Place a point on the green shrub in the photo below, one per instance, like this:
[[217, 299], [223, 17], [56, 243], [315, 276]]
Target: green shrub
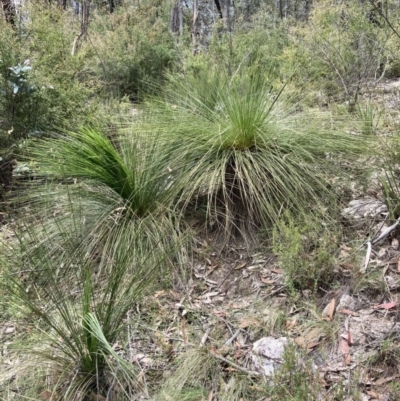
[[42, 86], [133, 50], [245, 156], [338, 51], [78, 312], [111, 186], [305, 253]]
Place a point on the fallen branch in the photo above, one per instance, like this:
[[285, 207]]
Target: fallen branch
[[233, 337], [386, 232], [367, 256], [376, 240], [233, 364]]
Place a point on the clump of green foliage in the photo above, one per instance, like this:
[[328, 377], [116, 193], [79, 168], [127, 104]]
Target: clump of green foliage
[[42, 86], [305, 253], [133, 51], [113, 186], [339, 51], [79, 312], [246, 156], [296, 381]]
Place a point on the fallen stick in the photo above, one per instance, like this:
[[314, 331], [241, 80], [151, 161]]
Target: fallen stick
[[386, 232], [233, 364], [233, 337]]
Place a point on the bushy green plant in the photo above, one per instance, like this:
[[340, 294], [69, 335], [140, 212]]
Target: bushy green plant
[[339, 51], [112, 186], [79, 313], [133, 50], [305, 253], [369, 118], [390, 181], [15, 89], [256, 47], [295, 380], [193, 370], [41, 83], [246, 157]]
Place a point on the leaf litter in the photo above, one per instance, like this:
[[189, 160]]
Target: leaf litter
[[236, 306]]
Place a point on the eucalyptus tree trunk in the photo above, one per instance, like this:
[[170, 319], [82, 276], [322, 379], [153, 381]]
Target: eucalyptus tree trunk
[[219, 8], [9, 11], [85, 18], [194, 27], [176, 22]]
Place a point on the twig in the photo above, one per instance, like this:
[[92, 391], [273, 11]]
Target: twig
[[233, 337], [205, 336], [367, 256], [376, 240], [221, 358], [386, 232], [277, 291]]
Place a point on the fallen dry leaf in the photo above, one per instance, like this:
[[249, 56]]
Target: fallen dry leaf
[[329, 310], [266, 281], [385, 380], [310, 346], [388, 305], [97, 397], [347, 337], [290, 324], [345, 350], [347, 266], [277, 271], [349, 312], [344, 346], [241, 266], [344, 254], [300, 341], [312, 338], [46, 395], [249, 321], [209, 294]]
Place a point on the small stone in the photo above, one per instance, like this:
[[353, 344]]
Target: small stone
[[9, 330], [267, 354]]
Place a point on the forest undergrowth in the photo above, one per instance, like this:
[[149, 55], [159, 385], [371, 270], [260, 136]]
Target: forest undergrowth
[[200, 204]]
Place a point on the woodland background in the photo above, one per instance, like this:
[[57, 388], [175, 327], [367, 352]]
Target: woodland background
[[180, 179]]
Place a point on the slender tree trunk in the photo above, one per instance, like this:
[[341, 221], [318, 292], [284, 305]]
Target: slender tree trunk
[[176, 22], [111, 5], [194, 27], [85, 18], [9, 11], [281, 9], [62, 4], [218, 5]]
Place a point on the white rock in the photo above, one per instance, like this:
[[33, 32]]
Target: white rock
[[367, 207], [267, 354]]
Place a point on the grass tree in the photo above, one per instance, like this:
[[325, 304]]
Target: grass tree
[[79, 314], [112, 187], [247, 155]]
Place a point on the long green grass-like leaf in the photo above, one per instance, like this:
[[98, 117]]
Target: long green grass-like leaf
[[110, 186], [80, 311], [243, 150]]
